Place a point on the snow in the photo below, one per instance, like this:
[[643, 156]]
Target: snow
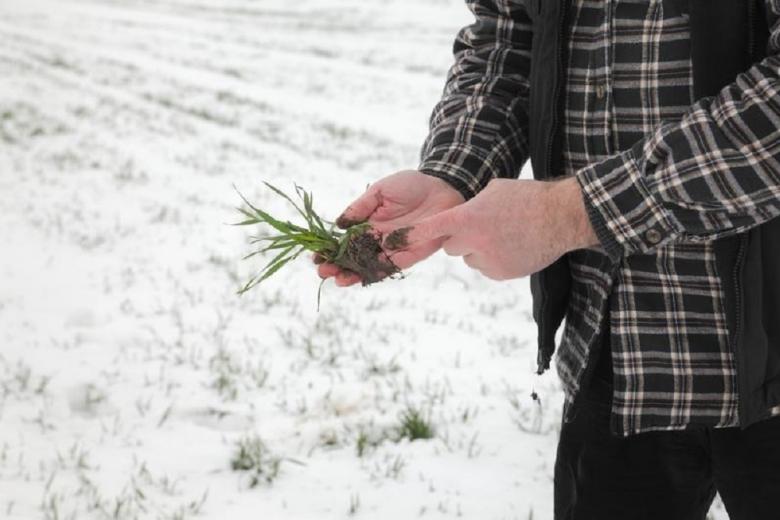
[[130, 369]]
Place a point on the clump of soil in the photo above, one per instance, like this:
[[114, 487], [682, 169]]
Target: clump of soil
[[363, 255], [398, 239]]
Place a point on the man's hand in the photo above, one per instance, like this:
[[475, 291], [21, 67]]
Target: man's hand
[[397, 200], [511, 229]]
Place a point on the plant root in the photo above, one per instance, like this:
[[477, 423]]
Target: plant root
[[365, 257]]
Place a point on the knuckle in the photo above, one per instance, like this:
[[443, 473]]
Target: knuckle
[[503, 275], [448, 249], [493, 275]]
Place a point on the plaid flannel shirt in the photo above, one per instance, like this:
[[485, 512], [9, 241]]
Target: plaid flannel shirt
[[661, 176]]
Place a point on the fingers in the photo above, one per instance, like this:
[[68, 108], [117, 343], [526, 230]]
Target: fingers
[[345, 279], [472, 261], [480, 263], [360, 209], [329, 270], [456, 247], [437, 226]]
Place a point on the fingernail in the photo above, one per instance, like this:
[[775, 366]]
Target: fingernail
[[345, 222]]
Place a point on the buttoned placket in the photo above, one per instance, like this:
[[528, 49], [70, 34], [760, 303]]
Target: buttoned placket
[[604, 96], [601, 98], [604, 101], [609, 53]]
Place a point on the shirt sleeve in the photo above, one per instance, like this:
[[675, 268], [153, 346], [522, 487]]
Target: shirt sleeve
[[479, 128], [713, 173]]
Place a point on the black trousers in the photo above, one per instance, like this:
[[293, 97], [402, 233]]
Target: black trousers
[[668, 475]]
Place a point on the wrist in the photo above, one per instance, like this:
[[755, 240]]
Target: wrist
[[575, 226]]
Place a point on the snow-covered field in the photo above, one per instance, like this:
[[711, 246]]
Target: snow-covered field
[[130, 372]]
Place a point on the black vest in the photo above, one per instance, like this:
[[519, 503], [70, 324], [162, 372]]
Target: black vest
[[727, 37]]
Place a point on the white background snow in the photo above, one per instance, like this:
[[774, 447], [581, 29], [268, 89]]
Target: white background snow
[[129, 368]]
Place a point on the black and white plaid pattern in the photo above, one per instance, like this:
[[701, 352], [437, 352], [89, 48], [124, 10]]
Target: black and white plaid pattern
[[662, 178], [479, 129], [630, 70]]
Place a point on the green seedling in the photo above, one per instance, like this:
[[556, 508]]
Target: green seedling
[[414, 426], [356, 249], [253, 456]]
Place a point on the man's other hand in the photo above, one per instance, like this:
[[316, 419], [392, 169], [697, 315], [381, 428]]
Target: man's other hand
[[395, 201], [511, 229]]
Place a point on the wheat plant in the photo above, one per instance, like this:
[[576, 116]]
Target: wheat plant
[[356, 248]]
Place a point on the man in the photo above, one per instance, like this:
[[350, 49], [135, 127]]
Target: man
[[654, 231]]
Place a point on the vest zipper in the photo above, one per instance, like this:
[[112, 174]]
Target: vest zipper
[[737, 274], [751, 30], [543, 360], [557, 88]]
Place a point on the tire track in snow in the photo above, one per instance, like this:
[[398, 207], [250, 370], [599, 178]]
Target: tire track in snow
[[325, 122]]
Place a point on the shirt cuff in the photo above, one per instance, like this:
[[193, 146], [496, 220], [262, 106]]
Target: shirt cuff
[[622, 209], [465, 167], [451, 174]]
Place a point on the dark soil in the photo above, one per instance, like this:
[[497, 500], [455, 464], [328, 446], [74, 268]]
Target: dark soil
[[365, 257], [398, 239]]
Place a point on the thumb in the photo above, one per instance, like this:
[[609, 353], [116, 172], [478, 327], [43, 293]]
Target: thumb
[[360, 209], [439, 225]]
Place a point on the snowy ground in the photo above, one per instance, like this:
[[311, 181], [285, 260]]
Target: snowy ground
[[129, 369]]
